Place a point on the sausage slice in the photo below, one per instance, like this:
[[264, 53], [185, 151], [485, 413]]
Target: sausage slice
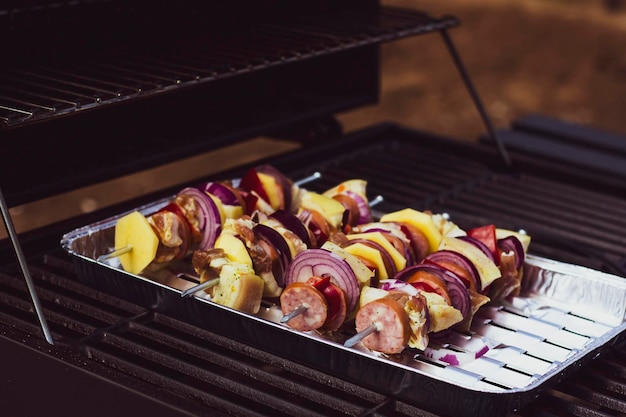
[[303, 294], [392, 322]]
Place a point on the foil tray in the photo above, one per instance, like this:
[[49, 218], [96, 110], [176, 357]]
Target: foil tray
[[565, 316]]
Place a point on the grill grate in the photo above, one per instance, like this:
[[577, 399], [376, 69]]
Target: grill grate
[[567, 223], [114, 71]]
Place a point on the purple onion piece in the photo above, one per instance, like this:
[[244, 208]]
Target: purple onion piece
[[292, 222], [317, 262], [458, 293], [457, 290], [511, 243], [222, 192], [459, 259], [480, 245], [275, 239], [396, 284], [209, 219], [365, 214]]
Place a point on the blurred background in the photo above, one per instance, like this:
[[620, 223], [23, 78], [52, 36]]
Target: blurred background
[[561, 58]]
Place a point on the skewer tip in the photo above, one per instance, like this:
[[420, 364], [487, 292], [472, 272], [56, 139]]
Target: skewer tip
[[372, 328], [204, 286], [299, 310]]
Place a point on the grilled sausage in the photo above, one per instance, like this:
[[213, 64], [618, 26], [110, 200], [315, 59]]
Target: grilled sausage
[[392, 322], [303, 294]]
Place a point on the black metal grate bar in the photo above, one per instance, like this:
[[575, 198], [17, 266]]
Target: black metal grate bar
[[107, 73]]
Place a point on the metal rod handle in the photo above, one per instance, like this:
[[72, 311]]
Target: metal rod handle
[[6, 216], [456, 57]]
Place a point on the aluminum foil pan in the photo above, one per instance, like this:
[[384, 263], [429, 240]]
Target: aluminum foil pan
[[565, 316]]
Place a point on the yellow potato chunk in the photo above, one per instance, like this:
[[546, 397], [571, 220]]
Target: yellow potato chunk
[[271, 188], [134, 231], [331, 209], [234, 248], [377, 237], [523, 238], [357, 186], [423, 221], [239, 288], [371, 254], [487, 270]]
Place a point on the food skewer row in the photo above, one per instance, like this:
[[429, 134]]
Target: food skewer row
[[401, 278], [194, 218], [258, 245]]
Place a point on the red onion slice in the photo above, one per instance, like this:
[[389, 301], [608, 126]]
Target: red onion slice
[[365, 214], [480, 245], [396, 284], [275, 239], [293, 223], [209, 218], [318, 262], [446, 257], [459, 297], [458, 293], [454, 357], [511, 243], [226, 195]]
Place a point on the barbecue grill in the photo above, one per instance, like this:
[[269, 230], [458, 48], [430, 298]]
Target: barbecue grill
[[77, 110]]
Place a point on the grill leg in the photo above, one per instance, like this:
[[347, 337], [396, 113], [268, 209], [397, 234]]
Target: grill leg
[[475, 98]]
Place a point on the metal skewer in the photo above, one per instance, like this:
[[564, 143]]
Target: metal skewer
[[377, 200], [205, 285], [299, 310], [372, 328], [316, 175], [115, 253]]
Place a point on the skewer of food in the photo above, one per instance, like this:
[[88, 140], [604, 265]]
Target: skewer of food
[[193, 219]]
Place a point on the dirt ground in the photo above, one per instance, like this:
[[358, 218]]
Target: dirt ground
[[563, 58]]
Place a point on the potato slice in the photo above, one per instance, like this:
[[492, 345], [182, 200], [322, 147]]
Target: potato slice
[[234, 248], [423, 221], [239, 288], [134, 231], [331, 209]]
